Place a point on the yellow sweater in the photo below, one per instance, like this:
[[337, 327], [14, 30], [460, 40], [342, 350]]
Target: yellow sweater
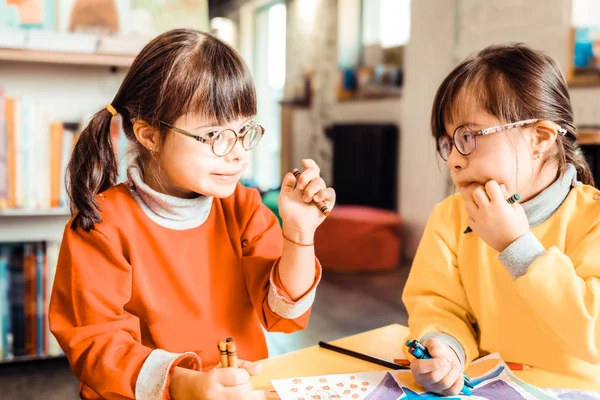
[[546, 316]]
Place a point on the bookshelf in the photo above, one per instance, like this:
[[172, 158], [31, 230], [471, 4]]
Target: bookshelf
[[69, 87], [64, 58], [32, 225], [21, 359]]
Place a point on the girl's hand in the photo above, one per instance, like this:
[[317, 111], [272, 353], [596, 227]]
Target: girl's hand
[[218, 384], [491, 217], [299, 214], [441, 374]]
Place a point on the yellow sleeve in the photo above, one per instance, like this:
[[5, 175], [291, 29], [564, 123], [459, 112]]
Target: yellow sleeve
[[564, 289], [434, 295]]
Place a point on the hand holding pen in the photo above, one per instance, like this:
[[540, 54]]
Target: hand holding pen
[[495, 215], [304, 203], [437, 368]]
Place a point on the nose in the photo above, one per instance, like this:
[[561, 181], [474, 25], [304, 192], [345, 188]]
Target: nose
[[238, 153], [456, 161]]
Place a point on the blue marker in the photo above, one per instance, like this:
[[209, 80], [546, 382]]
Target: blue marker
[[419, 351]]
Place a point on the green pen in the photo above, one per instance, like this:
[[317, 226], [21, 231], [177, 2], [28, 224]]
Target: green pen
[[511, 200]]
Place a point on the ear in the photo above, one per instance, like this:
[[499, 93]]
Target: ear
[[147, 135], [544, 136]]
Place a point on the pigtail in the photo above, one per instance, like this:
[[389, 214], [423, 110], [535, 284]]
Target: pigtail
[[574, 155], [91, 170], [569, 152]]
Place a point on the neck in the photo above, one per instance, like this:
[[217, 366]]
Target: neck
[[546, 176], [151, 173], [168, 211]]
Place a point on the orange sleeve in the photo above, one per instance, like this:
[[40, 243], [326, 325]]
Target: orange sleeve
[[262, 245], [89, 319]]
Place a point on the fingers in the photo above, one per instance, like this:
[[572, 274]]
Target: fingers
[[231, 376], [327, 196], [451, 384], [439, 349], [240, 392], [480, 197], [427, 367], [252, 368], [309, 163], [289, 182], [436, 348], [313, 187], [494, 192], [471, 207], [311, 172]]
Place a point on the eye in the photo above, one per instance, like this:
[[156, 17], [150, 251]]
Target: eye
[[213, 135], [249, 125]]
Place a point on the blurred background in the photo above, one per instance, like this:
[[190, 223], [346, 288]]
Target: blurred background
[[348, 83]]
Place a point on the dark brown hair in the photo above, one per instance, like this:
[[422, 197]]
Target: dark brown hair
[[512, 82], [181, 71]]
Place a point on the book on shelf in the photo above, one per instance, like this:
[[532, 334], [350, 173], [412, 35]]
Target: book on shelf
[[35, 152], [26, 277]]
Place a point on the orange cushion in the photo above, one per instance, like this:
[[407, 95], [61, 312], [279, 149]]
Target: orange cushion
[[359, 238]]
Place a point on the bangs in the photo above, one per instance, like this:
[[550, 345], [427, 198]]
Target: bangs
[[472, 86], [211, 81]]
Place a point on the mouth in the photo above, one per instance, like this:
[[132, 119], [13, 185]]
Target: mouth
[[227, 177], [467, 185], [226, 174]]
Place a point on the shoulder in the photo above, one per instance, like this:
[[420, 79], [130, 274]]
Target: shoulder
[[116, 207], [583, 205], [450, 211]]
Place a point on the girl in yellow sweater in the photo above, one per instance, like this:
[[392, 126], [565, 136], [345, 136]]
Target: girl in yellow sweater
[[525, 282]]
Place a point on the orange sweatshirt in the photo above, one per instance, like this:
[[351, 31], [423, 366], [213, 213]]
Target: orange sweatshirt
[[145, 292]]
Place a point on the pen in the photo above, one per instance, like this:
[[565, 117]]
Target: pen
[[319, 204], [361, 356], [511, 200], [222, 346], [419, 351], [231, 353]]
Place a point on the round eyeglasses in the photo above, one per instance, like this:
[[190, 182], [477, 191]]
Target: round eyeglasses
[[222, 142], [464, 139]]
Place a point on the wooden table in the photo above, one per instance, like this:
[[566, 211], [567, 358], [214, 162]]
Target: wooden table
[[385, 343]]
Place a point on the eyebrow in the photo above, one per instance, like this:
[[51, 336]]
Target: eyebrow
[[469, 123], [215, 125]]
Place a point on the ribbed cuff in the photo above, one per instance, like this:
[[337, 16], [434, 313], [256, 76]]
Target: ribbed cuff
[[154, 377], [521, 254]]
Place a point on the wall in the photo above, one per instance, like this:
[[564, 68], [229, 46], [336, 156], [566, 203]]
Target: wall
[[68, 92], [428, 58], [312, 47]]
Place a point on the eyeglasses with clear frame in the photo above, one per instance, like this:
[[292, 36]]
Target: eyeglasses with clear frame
[[464, 139], [223, 142]]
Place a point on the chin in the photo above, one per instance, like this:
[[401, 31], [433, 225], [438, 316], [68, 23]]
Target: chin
[[219, 191]]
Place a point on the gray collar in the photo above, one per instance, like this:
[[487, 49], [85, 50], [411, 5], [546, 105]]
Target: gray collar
[[168, 211], [541, 207]]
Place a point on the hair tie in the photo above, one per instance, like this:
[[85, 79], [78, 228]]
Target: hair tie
[[111, 110]]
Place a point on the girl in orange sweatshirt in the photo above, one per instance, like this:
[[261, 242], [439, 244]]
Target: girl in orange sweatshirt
[[153, 271]]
